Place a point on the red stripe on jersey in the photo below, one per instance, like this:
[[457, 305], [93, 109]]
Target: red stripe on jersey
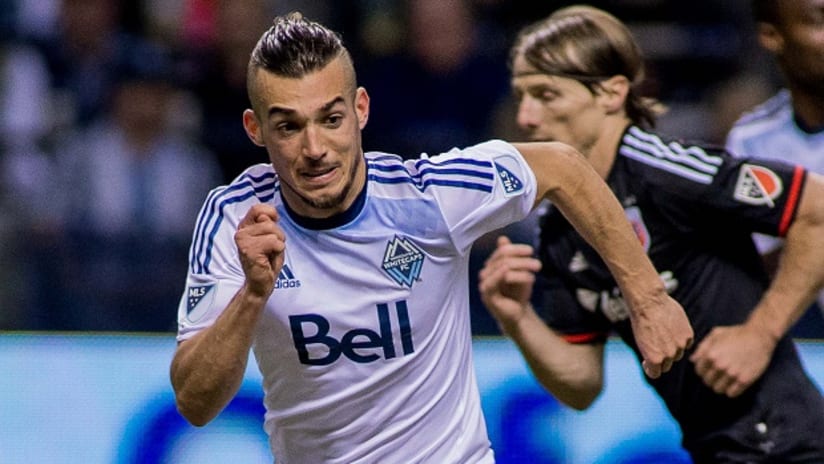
[[584, 337], [792, 201]]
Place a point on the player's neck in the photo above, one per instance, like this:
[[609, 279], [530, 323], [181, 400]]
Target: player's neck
[[602, 154], [808, 111]]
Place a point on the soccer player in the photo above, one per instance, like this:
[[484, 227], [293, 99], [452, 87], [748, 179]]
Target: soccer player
[[790, 125], [346, 273], [743, 396]]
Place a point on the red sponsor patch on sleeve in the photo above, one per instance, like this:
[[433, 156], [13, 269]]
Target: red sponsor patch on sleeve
[[757, 185]]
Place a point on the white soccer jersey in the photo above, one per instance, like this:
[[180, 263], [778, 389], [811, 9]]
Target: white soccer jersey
[[365, 344]]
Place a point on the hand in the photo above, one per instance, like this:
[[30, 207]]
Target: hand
[[506, 280], [663, 333], [260, 245], [731, 358]]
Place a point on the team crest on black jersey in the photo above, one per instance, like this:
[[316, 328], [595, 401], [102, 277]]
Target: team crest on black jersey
[[757, 185], [403, 261], [637, 220]]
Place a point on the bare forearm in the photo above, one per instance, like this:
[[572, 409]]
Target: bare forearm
[[731, 358], [571, 373], [565, 178], [586, 201], [208, 369], [800, 273]]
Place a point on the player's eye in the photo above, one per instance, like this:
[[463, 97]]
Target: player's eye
[[286, 128], [544, 95], [334, 120]]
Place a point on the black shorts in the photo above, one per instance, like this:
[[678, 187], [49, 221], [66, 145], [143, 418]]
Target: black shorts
[[788, 429]]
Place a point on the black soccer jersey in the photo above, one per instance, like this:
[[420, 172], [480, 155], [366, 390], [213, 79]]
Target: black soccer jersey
[[693, 208]]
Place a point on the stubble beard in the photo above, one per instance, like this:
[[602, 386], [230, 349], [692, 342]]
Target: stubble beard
[[333, 202]]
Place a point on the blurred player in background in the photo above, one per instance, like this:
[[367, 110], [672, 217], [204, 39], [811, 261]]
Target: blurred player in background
[[743, 396], [346, 272], [790, 125]]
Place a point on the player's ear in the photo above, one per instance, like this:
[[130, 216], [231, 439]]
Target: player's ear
[[612, 93], [362, 106], [770, 38], [252, 126]]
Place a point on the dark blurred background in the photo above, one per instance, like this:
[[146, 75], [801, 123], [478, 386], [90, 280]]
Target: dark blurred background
[[118, 116]]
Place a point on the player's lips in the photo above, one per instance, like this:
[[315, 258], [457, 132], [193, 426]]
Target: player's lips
[[540, 138], [319, 176], [535, 136]]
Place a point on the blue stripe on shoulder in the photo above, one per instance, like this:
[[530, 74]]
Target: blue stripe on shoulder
[[422, 185], [471, 162], [437, 171], [459, 173], [263, 187]]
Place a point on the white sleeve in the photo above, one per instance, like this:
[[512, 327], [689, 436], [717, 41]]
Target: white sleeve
[[214, 274], [472, 212]]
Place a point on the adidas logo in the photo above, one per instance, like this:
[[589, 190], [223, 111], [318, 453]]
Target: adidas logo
[[286, 279]]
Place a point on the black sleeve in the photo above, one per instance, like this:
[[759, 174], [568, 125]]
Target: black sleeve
[[558, 304], [564, 315], [755, 195]]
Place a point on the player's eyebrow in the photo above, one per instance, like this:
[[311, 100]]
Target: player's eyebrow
[[273, 110], [328, 106]]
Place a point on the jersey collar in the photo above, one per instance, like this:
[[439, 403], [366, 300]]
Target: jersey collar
[[331, 222]]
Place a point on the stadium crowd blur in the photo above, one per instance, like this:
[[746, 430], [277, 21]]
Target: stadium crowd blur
[[118, 117]]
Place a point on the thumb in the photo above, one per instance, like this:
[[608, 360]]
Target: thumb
[[503, 240], [651, 370]]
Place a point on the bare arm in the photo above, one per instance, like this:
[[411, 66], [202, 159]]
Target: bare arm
[[573, 373], [730, 359], [565, 178], [207, 369], [800, 273]]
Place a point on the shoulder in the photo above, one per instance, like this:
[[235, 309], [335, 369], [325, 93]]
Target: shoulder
[[777, 104], [223, 209], [256, 178], [666, 157], [480, 152], [775, 110], [257, 184], [466, 167]]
